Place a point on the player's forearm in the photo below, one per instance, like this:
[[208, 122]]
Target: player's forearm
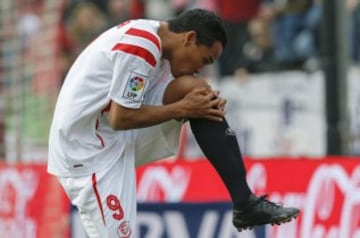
[[145, 116]]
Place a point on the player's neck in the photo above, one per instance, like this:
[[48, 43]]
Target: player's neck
[[168, 39]]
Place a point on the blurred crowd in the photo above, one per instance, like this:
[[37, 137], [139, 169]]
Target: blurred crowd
[[263, 35]]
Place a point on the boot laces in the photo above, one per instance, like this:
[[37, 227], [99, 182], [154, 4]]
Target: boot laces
[[263, 201]]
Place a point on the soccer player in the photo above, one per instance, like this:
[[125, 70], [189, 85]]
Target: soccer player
[[122, 104]]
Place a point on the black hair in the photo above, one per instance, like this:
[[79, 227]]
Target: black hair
[[207, 25]]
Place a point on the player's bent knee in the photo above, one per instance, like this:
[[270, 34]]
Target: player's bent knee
[[179, 87]]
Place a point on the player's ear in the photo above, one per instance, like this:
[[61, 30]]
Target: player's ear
[[189, 38]]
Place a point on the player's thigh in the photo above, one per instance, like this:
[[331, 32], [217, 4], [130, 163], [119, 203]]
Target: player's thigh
[[179, 87], [106, 200], [157, 142], [82, 193]]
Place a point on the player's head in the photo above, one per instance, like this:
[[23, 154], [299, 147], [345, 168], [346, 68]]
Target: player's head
[[203, 39], [207, 26]]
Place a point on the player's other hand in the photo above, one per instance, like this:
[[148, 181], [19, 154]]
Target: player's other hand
[[222, 102], [203, 103]]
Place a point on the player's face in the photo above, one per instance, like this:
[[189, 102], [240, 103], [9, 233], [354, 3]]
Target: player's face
[[189, 58]]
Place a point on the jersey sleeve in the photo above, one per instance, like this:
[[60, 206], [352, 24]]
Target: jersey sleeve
[[134, 58]]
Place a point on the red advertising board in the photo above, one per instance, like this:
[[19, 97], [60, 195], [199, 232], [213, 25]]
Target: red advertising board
[[32, 203], [327, 191]]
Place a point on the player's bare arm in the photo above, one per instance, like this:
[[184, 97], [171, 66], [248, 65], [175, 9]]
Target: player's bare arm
[[185, 97]]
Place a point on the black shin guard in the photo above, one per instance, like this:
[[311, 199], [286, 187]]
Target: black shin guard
[[219, 144]]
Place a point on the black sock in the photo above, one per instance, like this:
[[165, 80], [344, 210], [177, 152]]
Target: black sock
[[219, 144]]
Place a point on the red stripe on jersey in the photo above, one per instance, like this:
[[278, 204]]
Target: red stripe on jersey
[[144, 34], [138, 51], [98, 199], [101, 139], [123, 23], [99, 136]]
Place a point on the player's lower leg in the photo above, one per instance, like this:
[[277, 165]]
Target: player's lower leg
[[219, 144]]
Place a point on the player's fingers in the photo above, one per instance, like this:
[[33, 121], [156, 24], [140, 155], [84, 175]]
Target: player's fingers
[[221, 105], [200, 90], [215, 102], [211, 95], [216, 112], [214, 118]]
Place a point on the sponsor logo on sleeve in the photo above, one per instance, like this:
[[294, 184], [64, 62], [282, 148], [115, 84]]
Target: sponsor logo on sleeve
[[135, 87]]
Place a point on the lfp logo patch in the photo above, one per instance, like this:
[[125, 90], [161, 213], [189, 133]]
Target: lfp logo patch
[[135, 87], [136, 83]]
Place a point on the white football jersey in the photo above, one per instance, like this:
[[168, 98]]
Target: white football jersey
[[122, 65]]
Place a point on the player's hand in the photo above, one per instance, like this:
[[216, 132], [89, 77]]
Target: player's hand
[[222, 102], [203, 103]]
